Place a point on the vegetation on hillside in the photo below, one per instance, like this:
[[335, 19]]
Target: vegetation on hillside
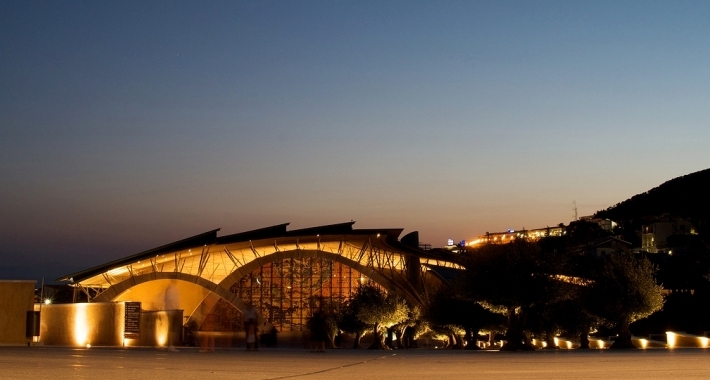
[[685, 197]]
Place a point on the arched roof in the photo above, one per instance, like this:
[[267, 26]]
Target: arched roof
[[216, 262]]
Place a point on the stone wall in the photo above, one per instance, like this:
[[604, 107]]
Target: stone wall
[[16, 299]]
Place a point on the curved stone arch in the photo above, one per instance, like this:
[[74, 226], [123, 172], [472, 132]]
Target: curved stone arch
[[371, 273], [117, 289]]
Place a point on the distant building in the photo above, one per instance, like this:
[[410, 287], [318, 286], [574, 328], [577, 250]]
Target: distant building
[[654, 236], [604, 246], [605, 224], [454, 247], [510, 235]]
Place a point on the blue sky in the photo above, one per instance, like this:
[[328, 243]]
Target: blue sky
[[127, 125]]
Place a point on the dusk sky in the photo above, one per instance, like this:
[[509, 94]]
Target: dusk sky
[[127, 125]]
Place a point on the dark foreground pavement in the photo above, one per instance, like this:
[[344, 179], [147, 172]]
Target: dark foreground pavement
[[140, 363]]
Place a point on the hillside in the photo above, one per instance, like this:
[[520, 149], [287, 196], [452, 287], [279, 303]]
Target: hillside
[[687, 196]]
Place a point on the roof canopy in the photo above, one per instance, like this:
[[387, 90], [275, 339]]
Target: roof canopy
[[272, 235]]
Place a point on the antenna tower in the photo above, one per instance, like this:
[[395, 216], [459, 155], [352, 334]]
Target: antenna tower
[[576, 217]]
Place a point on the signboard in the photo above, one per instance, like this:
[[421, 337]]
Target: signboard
[[132, 325]]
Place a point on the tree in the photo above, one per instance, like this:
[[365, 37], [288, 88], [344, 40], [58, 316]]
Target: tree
[[349, 322], [544, 321], [458, 316], [551, 308], [508, 279], [625, 291], [379, 309], [328, 315], [577, 319], [414, 317]]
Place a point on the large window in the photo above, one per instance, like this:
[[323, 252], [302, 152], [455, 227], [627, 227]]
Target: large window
[[286, 292]]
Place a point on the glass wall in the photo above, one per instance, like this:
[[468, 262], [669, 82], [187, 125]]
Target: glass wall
[[286, 292]]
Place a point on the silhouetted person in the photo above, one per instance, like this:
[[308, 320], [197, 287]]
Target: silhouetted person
[[250, 327], [269, 338], [338, 340], [318, 325], [251, 337]]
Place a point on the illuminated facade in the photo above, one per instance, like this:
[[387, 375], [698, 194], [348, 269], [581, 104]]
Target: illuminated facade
[[284, 274], [288, 291], [537, 233], [510, 235]]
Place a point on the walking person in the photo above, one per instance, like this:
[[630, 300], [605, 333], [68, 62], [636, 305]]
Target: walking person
[[318, 325], [250, 327]]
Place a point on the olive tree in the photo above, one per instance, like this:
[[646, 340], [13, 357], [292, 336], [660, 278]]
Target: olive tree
[[458, 316], [349, 322], [624, 291], [509, 279], [379, 309]]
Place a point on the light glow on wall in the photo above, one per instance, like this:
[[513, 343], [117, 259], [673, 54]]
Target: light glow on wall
[[643, 343], [161, 329], [686, 340], [561, 343], [597, 343], [81, 325]]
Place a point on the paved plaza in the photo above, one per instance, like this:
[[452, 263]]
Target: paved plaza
[[142, 363]]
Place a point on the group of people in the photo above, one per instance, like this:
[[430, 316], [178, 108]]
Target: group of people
[[251, 331], [317, 324]]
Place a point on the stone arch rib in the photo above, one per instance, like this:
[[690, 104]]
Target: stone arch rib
[[114, 291]]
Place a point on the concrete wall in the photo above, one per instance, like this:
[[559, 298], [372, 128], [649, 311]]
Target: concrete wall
[[16, 299], [102, 324], [79, 324], [161, 328]]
